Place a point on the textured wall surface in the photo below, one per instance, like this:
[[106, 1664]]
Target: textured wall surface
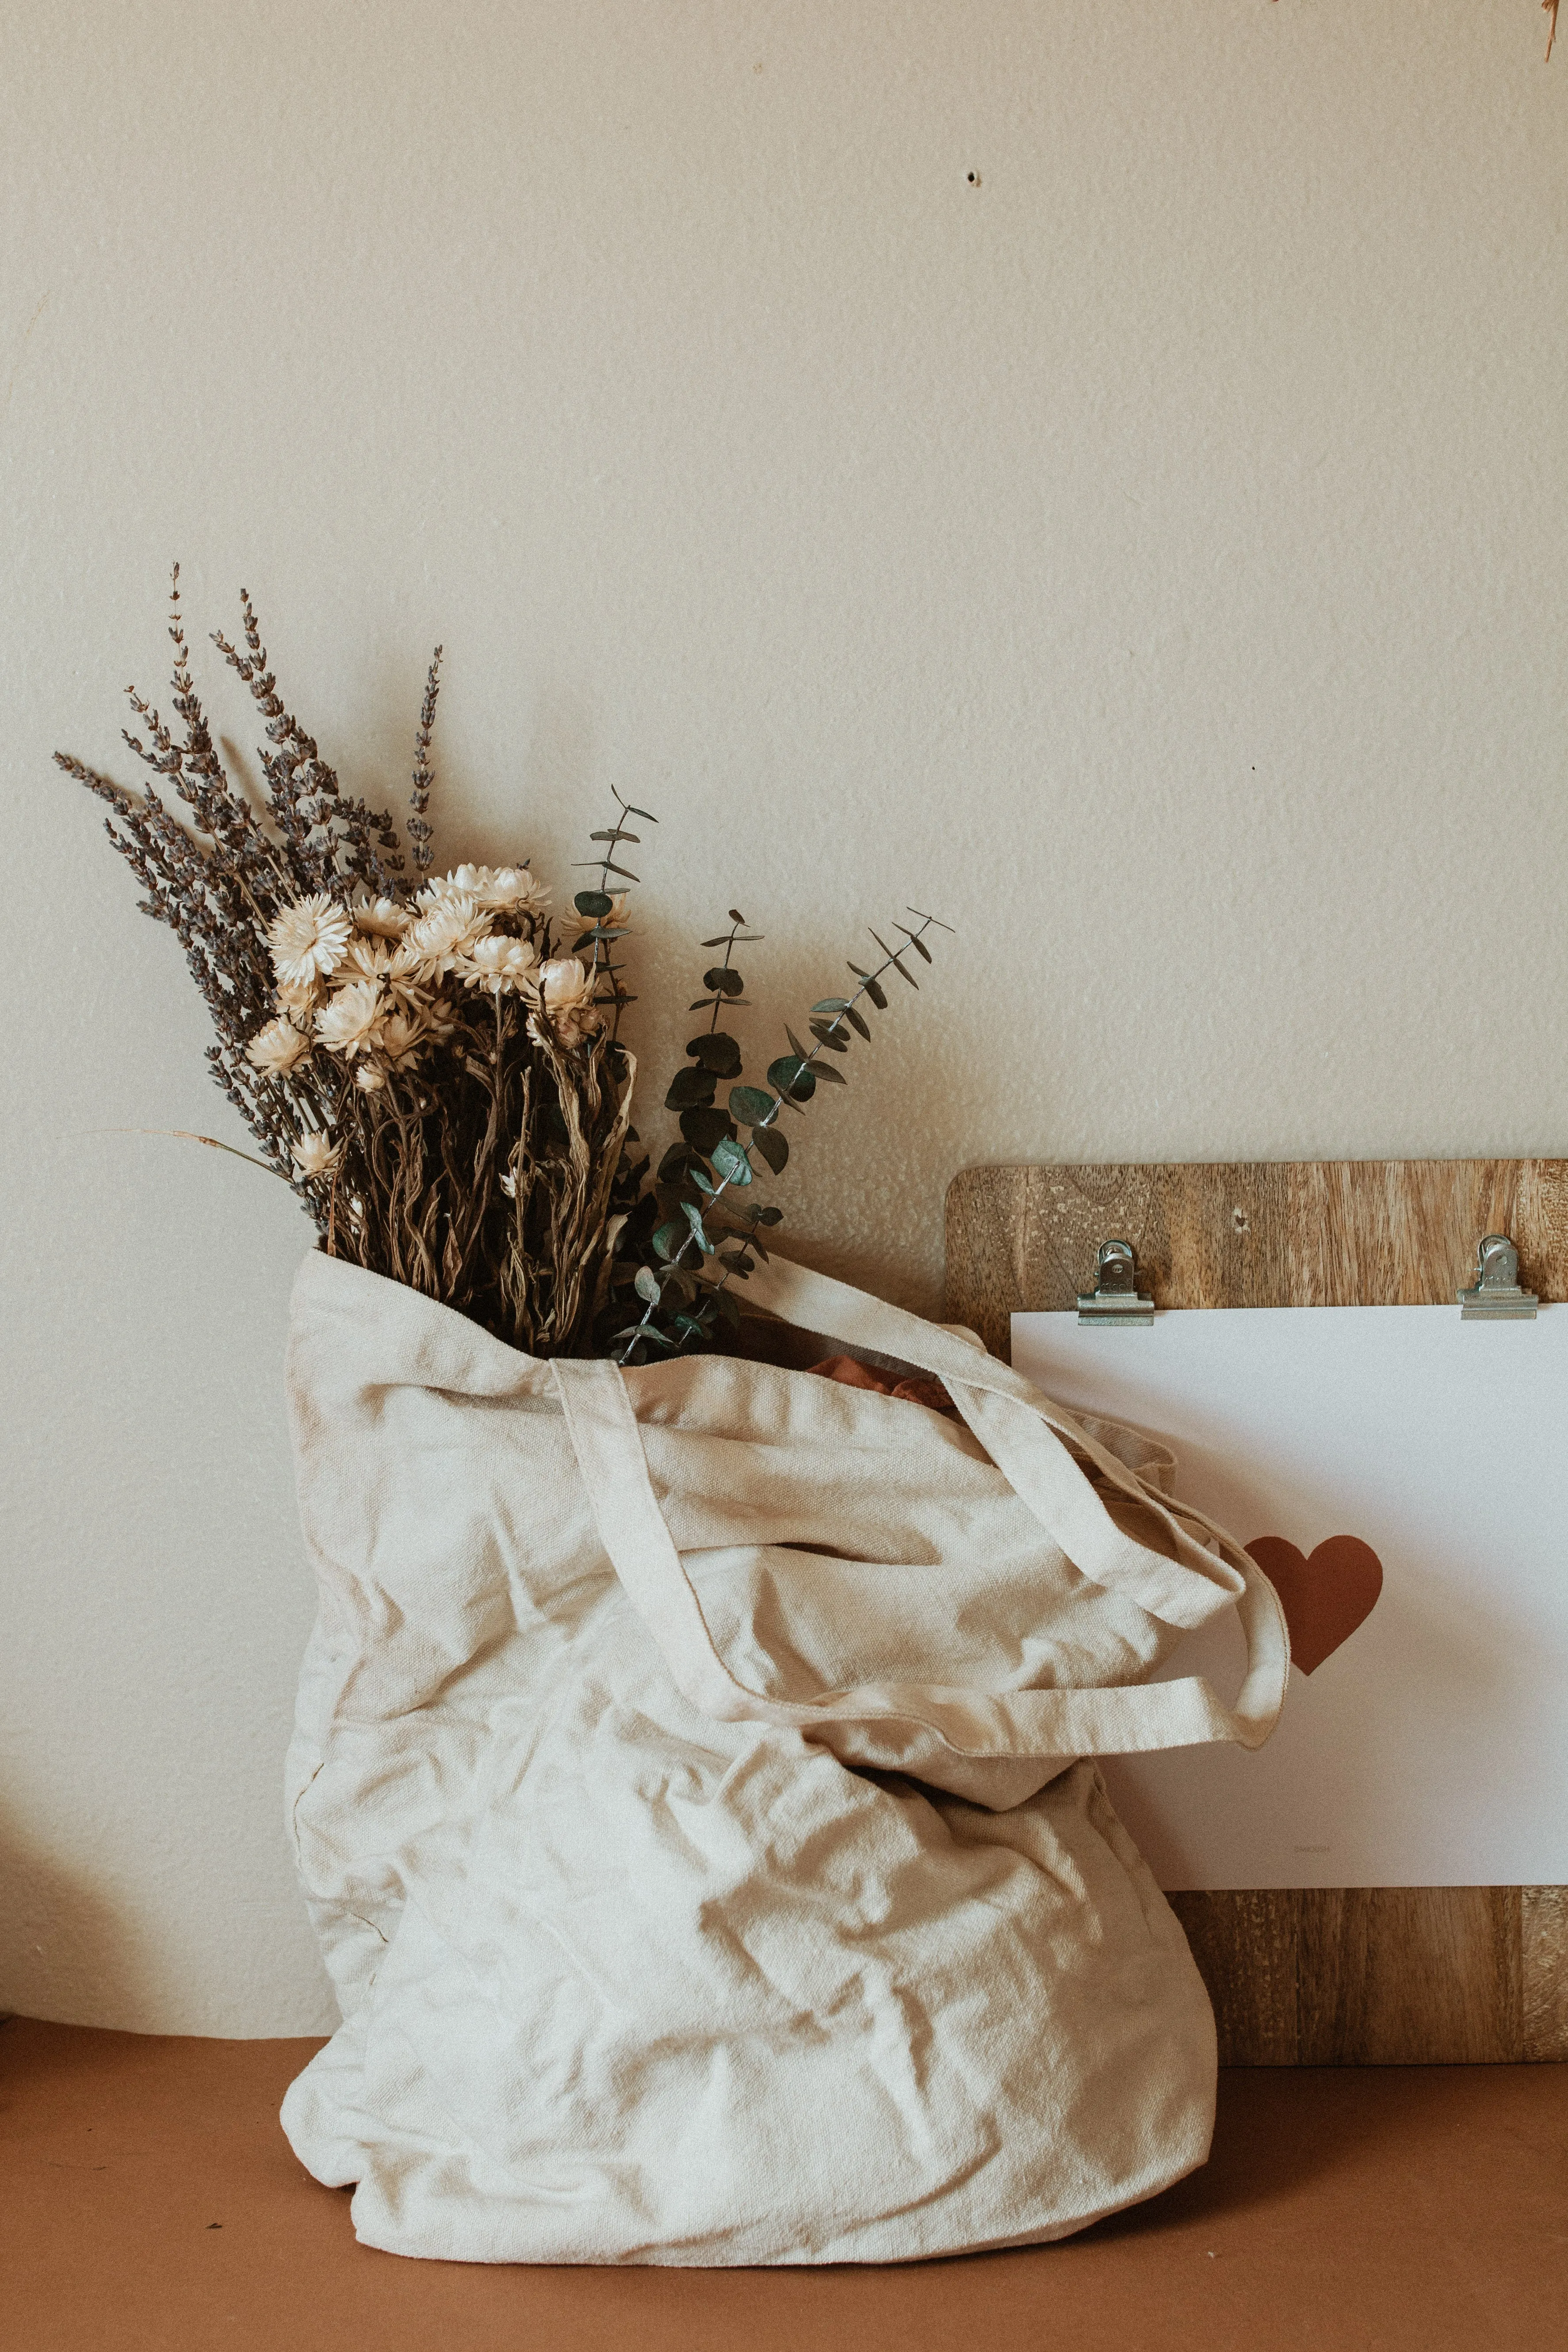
[[1094, 471]]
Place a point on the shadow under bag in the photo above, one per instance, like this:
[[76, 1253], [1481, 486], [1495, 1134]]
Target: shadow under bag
[[692, 1797]]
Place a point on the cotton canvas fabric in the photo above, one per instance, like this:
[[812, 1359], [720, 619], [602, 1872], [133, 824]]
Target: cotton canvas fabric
[[693, 1792]]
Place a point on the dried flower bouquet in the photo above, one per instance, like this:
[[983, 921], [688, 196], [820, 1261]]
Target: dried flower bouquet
[[431, 1066]]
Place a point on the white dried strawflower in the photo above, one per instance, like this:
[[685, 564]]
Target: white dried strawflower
[[299, 999], [565, 984], [447, 929], [365, 959], [383, 919], [370, 1077], [407, 979], [347, 1021], [308, 938], [314, 1155], [401, 1037], [498, 890], [274, 1050], [498, 965]]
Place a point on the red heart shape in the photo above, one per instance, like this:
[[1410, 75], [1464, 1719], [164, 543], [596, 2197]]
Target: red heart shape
[[1324, 1597]]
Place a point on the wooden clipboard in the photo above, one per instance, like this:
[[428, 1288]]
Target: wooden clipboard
[[1354, 1976]]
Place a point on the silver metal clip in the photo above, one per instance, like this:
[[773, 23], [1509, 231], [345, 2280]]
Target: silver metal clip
[[1116, 1299], [1497, 1297]]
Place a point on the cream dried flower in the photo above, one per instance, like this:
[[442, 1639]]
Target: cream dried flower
[[383, 919], [447, 930], [407, 978], [314, 1155], [370, 1077], [347, 1021], [308, 938], [274, 1050], [299, 999], [499, 889], [565, 984], [366, 958], [498, 965], [401, 1037], [565, 992]]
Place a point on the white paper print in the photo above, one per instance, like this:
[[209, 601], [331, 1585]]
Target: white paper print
[[1408, 1473]]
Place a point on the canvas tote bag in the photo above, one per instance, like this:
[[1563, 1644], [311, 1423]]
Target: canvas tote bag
[[692, 1790]]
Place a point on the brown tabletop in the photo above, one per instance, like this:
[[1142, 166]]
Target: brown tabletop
[[149, 2199]]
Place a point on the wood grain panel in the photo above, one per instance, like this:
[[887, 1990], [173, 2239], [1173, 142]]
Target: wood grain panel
[[1391, 1976], [1543, 1971], [1359, 1976], [1247, 1945], [1347, 1233]]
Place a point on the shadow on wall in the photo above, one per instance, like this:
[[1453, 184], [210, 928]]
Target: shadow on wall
[[58, 1930]]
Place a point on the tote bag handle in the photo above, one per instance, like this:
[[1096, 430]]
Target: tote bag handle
[[1032, 1442], [1120, 1720]]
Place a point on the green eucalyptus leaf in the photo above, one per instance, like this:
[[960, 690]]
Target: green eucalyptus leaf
[[796, 1045], [627, 810], [858, 1021], [703, 1180], [592, 904], [722, 980], [832, 1005], [699, 1231], [792, 1078], [751, 1106], [829, 1074], [769, 1215], [893, 959], [669, 1238], [716, 1052], [616, 832], [773, 1147], [736, 1262], [827, 1037], [704, 1129], [731, 1162], [690, 1090], [877, 994], [647, 1285]]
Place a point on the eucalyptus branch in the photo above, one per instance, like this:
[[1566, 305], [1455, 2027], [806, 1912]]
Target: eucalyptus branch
[[791, 1079], [599, 908]]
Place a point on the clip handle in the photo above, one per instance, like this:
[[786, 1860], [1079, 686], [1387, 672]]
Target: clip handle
[[1495, 1297], [1116, 1299]]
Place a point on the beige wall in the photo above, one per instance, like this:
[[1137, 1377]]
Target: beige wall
[[1151, 557]]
